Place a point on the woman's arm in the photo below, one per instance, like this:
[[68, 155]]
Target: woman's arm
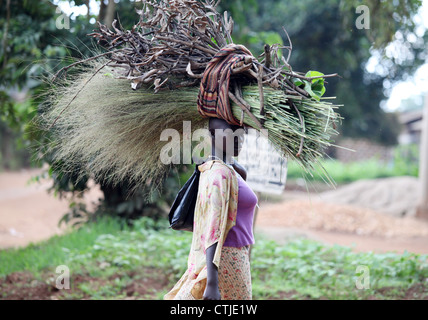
[[212, 291]]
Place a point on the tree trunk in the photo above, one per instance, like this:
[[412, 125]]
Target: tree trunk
[[102, 13], [89, 9], [6, 154], [111, 10]]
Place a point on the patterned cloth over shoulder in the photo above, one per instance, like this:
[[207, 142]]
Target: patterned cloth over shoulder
[[215, 215]]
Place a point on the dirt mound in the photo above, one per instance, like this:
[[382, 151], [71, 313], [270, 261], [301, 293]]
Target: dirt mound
[[396, 196], [310, 214], [29, 214]]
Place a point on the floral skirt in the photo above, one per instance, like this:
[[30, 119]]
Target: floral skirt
[[234, 276]]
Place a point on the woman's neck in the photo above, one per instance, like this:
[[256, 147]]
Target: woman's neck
[[223, 157], [227, 161]]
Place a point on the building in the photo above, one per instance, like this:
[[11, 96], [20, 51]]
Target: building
[[411, 122]]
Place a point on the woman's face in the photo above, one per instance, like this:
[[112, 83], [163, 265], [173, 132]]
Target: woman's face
[[227, 138]]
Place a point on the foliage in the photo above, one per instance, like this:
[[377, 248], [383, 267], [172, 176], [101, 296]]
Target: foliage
[[324, 36], [25, 54], [123, 200], [404, 163], [126, 202], [316, 270], [33, 48], [406, 160], [307, 268]]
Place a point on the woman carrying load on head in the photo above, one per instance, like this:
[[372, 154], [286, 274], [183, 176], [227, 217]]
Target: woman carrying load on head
[[218, 263]]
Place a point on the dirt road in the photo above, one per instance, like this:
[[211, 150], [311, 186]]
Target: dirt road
[[309, 216], [29, 214]]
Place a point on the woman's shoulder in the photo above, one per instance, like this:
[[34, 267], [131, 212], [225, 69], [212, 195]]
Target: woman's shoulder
[[221, 169], [217, 169]]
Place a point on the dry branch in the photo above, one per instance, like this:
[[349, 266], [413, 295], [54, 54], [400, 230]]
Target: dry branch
[[168, 49]]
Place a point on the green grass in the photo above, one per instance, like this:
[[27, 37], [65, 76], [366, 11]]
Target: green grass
[[56, 250], [315, 270], [404, 162], [341, 172], [299, 269]]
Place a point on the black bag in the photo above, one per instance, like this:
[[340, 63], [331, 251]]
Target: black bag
[[182, 210]]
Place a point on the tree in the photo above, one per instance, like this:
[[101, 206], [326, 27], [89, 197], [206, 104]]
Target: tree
[[325, 38], [33, 48], [26, 53]]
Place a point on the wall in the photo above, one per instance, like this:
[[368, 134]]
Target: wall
[[364, 149]]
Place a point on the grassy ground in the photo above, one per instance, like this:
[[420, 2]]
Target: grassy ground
[[107, 261], [341, 172]]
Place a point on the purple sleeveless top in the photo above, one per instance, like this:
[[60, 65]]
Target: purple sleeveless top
[[241, 234]]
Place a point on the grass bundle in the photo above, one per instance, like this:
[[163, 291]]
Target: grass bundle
[[300, 130], [111, 131], [97, 120], [114, 132]]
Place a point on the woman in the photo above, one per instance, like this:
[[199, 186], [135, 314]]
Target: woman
[[218, 263]]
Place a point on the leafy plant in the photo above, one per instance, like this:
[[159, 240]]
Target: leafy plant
[[315, 87], [300, 268]]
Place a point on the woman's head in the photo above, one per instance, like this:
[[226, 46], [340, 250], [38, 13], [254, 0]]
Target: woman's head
[[227, 139]]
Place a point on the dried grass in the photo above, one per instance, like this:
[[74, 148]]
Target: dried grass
[[100, 125], [113, 131]]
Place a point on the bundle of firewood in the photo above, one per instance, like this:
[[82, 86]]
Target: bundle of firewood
[[166, 52]]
